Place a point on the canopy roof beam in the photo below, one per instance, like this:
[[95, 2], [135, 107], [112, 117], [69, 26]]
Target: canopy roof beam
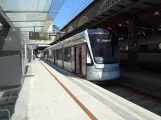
[[28, 12], [29, 26], [29, 21]]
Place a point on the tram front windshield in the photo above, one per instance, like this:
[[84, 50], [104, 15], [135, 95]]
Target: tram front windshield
[[105, 48]]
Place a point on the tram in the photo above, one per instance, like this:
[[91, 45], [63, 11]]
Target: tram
[[149, 48], [92, 54]]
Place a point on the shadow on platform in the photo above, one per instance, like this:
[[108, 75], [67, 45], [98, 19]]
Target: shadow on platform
[[61, 71], [7, 104], [29, 75]]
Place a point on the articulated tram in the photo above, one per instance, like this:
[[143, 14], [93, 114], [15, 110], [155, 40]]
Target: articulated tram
[[92, 54]]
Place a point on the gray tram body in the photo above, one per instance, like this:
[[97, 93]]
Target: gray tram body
[[149, 51], [76, 54]]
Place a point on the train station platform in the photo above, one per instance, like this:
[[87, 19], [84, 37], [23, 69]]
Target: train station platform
[[51, 93]]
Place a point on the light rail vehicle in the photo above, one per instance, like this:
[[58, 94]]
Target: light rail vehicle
[[92, 54]]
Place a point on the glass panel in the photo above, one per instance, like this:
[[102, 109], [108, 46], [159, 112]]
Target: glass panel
[[27, 24], [38, 23], [56, 4], [25, 33], [25, 5], [59, 54], [104, 47], [45, 4], [27, 29], [22, 24], [26, 37], [46, 26], [38, 29], [27, 16], [67, 54], [53, 15]]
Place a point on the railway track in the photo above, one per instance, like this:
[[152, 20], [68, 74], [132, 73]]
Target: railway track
[[142, 99]]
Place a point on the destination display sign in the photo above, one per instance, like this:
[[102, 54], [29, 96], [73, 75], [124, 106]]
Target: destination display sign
[[38, 36], [103, 40]]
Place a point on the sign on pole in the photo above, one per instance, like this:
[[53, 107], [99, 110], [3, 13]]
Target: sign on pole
[[39, 36]]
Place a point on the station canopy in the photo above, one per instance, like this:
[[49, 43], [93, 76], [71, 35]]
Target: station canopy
[[31, 15]]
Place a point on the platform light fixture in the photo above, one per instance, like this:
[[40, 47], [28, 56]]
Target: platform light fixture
[[119, 25], [126, 21], [157, 13], [109, 28]]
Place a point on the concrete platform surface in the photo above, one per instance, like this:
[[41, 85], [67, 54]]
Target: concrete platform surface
[[47, 94]]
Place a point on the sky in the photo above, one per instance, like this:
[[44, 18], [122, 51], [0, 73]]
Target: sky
[[68, 9]]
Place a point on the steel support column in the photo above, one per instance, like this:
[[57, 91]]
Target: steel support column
[[26, 61], [132, 43], [32, 52]]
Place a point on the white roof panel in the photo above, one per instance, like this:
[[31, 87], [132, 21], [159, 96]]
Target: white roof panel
[[27, 16], [26, 5], [30, 15], [38, 29], [27, 29]]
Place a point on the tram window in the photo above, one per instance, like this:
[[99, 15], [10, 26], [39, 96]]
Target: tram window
[[67, 54], [105, 48], [53, 53], [59, 54]]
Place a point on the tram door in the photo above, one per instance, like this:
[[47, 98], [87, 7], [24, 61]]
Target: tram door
[[78, 60]]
